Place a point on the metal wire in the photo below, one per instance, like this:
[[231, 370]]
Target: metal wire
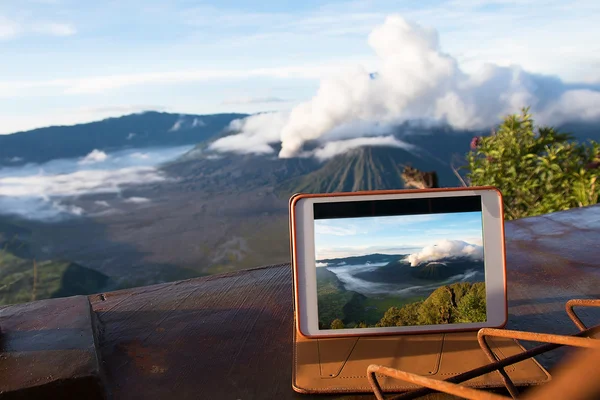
[[452, 385], [580, 303], [476, 372], [530, 336], [435, 384]]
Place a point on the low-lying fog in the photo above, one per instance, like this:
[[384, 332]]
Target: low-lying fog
[[40, 191], [347, 275]]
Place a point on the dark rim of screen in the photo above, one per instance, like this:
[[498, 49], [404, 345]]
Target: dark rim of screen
[[395, 207]]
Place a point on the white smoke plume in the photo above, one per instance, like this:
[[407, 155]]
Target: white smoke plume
[[415, 79], [446, 249], [257, 132]]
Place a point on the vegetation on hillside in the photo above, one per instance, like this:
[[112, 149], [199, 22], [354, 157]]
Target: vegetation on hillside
[[538, 169], [462, 302], [457, 303], [23, 279]]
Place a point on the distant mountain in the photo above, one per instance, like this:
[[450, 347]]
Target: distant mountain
[[399, 270], [214, 172], [369, 168], [148, 129], [374, 258]]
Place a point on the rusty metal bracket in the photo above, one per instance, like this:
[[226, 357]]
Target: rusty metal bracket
[[562, 340], [441, 386], [580, 303], [452, 385]]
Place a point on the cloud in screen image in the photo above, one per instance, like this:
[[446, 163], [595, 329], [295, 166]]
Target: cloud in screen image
[[400, 271]]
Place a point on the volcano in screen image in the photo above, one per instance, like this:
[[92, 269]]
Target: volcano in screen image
[[400, 270]]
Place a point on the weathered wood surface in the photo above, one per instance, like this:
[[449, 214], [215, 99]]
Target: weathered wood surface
[[48, 351], [230, 336]]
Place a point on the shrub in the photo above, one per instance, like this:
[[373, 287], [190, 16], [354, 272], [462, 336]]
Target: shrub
[[538, 170], [337, 324]]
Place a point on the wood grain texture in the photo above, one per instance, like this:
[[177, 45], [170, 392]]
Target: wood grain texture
[[48, 349], [230, 336]]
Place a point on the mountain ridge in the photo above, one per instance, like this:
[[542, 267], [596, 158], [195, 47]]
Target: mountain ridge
[[139, 130]]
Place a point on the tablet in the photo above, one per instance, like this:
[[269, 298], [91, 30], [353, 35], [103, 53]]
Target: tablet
[[391, 262]]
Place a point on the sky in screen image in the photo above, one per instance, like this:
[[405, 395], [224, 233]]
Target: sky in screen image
[[345, 237]]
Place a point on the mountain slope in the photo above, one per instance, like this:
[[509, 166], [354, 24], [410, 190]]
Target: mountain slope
[[147, 129], [53, 278], [366, 168], [215, 173]]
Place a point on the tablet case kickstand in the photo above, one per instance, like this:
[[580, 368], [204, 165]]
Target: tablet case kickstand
[[339, 365]]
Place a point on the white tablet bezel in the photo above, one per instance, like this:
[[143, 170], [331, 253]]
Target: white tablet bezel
[[303, 251]]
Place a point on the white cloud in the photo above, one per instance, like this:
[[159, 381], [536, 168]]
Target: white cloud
[[254, 100], [49, 191], [38, 208], [101, 84], [8, 28], [585, 103], [136, 200], [54, 29], [335, 148], [12, 28], [446, 249], [140, 156], [130, 135], [416, 79], [198, 122], [176, 126], [242, 144], [96, 156], [183, 123], [77, 183], [258, 131], [324, 229]]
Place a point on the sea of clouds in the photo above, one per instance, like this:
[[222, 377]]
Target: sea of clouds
[[39, 191]]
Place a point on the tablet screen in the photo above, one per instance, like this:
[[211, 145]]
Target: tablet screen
[[399, 262]]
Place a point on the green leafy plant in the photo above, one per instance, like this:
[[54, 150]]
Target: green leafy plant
[[337, 324], [537, 169]]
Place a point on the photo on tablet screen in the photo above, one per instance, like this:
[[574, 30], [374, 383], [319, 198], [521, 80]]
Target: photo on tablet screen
[[400, 270]]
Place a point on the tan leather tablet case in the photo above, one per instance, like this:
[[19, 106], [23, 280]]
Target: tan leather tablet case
[[336, 365]]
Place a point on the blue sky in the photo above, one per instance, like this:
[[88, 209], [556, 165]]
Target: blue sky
[[69, 61], [346, 237]]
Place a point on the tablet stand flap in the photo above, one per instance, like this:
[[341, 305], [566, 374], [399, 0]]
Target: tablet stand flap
[[339, 365]]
